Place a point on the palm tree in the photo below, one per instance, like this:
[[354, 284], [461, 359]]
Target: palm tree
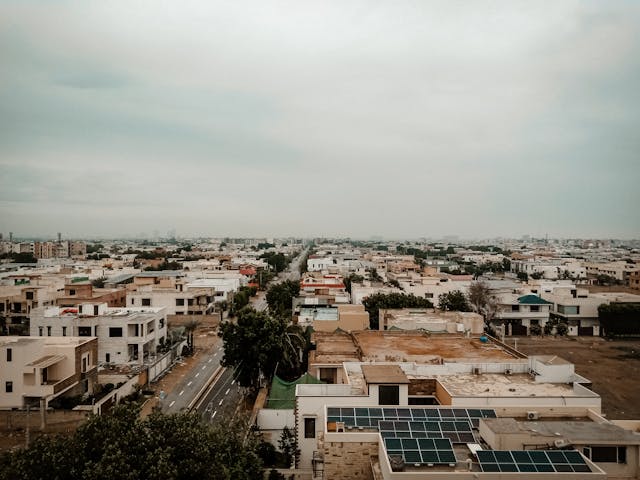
[[189, 328]]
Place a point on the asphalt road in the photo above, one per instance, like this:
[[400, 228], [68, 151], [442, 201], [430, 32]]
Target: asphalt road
[[193, 381], [222, 400]]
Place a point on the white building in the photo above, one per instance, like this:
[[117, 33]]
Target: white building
[[125, 335], [35, 370]]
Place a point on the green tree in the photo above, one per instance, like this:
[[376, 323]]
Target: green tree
[[280, 298], [523, 276], [374, 303], [352, 278], [120, 445], [99, 282], [288, 446], [537, 275], [454, 301], [253, 345]]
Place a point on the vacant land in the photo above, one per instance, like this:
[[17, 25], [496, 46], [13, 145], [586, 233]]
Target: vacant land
[[612, 366]]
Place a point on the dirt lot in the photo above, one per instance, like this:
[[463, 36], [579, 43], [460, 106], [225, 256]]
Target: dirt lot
[[612, 366]]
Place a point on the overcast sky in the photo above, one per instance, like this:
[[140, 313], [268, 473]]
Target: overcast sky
[[340, 118]]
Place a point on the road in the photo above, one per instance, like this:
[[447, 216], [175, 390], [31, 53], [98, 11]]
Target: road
[[221, 402], [193, 381]]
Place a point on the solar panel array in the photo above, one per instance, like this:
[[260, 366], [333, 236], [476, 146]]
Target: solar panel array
[[422, 451], [458, 431], [532, 461], [369, 417]]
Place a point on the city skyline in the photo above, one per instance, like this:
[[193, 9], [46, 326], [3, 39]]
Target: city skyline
[[334, 119]]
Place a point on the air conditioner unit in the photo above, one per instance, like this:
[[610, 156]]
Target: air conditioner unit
[[532, 416], [561, 443], [508, 371]]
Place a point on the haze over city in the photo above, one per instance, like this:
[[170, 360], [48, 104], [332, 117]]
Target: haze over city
[[320, 119]]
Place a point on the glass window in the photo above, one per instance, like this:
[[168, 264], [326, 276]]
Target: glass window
[[9, 354], [115, 331], [8, 387]]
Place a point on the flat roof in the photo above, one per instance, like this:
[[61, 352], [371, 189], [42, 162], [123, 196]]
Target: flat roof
[[572, 431], [500, 385], [412, 346], [384, 374], [46, 361]]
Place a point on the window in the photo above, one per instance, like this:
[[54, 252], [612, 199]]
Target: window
[[48, 331], [190, 301], [328, 375], [40, 331], [515, 308], [568, 309], [9, 354], [428, 295], [132, 301], [179, 302], [534, 308], [107, 357], [72, 292], [309, 428], [64, 331], [146, 302], [115, 331], [388, 395], [84, 331], [8, 387], [610, 454], [29, 295], [95, 310]]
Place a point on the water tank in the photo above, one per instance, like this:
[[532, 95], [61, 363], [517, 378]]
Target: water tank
[[484, 339]]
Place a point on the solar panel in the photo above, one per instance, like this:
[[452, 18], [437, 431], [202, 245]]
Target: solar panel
[[423, 451], [532, 461], [369, 417]]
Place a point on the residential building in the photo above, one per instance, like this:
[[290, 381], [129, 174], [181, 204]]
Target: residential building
[[516, 314], [83, 291], [125, 335], [330, 318], [37, 370]]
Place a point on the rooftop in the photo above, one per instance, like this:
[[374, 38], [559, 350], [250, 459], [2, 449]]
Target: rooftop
[[572, 431], [408, 346], [500, 385], [381, 374]]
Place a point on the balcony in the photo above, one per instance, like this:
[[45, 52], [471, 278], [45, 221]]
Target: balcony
[[51, 387]]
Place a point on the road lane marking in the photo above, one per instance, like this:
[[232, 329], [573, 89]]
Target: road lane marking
[[171, 404], [210, 359], [197, 374], [220, 403], [214, 414], [233, 382], [189, 384], [203, 367], [227, 392], [181, 393]]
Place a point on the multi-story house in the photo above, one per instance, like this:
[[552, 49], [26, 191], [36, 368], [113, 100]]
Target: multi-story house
[[516, 314], [125, 335], [35, 370]]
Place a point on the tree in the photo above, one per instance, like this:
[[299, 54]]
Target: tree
[[280, 298], [99, 282], [374, 303], [523, 276], [620, 319], [289, 446], [535, 330], [253, 345], [189, 328], [482, 301], [537, 275], [121, 445], [352, 278], [454, 301]]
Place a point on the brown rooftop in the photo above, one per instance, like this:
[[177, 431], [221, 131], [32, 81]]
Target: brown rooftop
[[412, 346], [382, 374]]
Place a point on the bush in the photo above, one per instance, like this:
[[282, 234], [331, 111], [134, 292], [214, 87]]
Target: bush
[[535, 330], [562, 329]]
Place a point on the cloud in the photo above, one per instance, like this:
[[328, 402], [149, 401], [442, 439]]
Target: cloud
[[354, 118]]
